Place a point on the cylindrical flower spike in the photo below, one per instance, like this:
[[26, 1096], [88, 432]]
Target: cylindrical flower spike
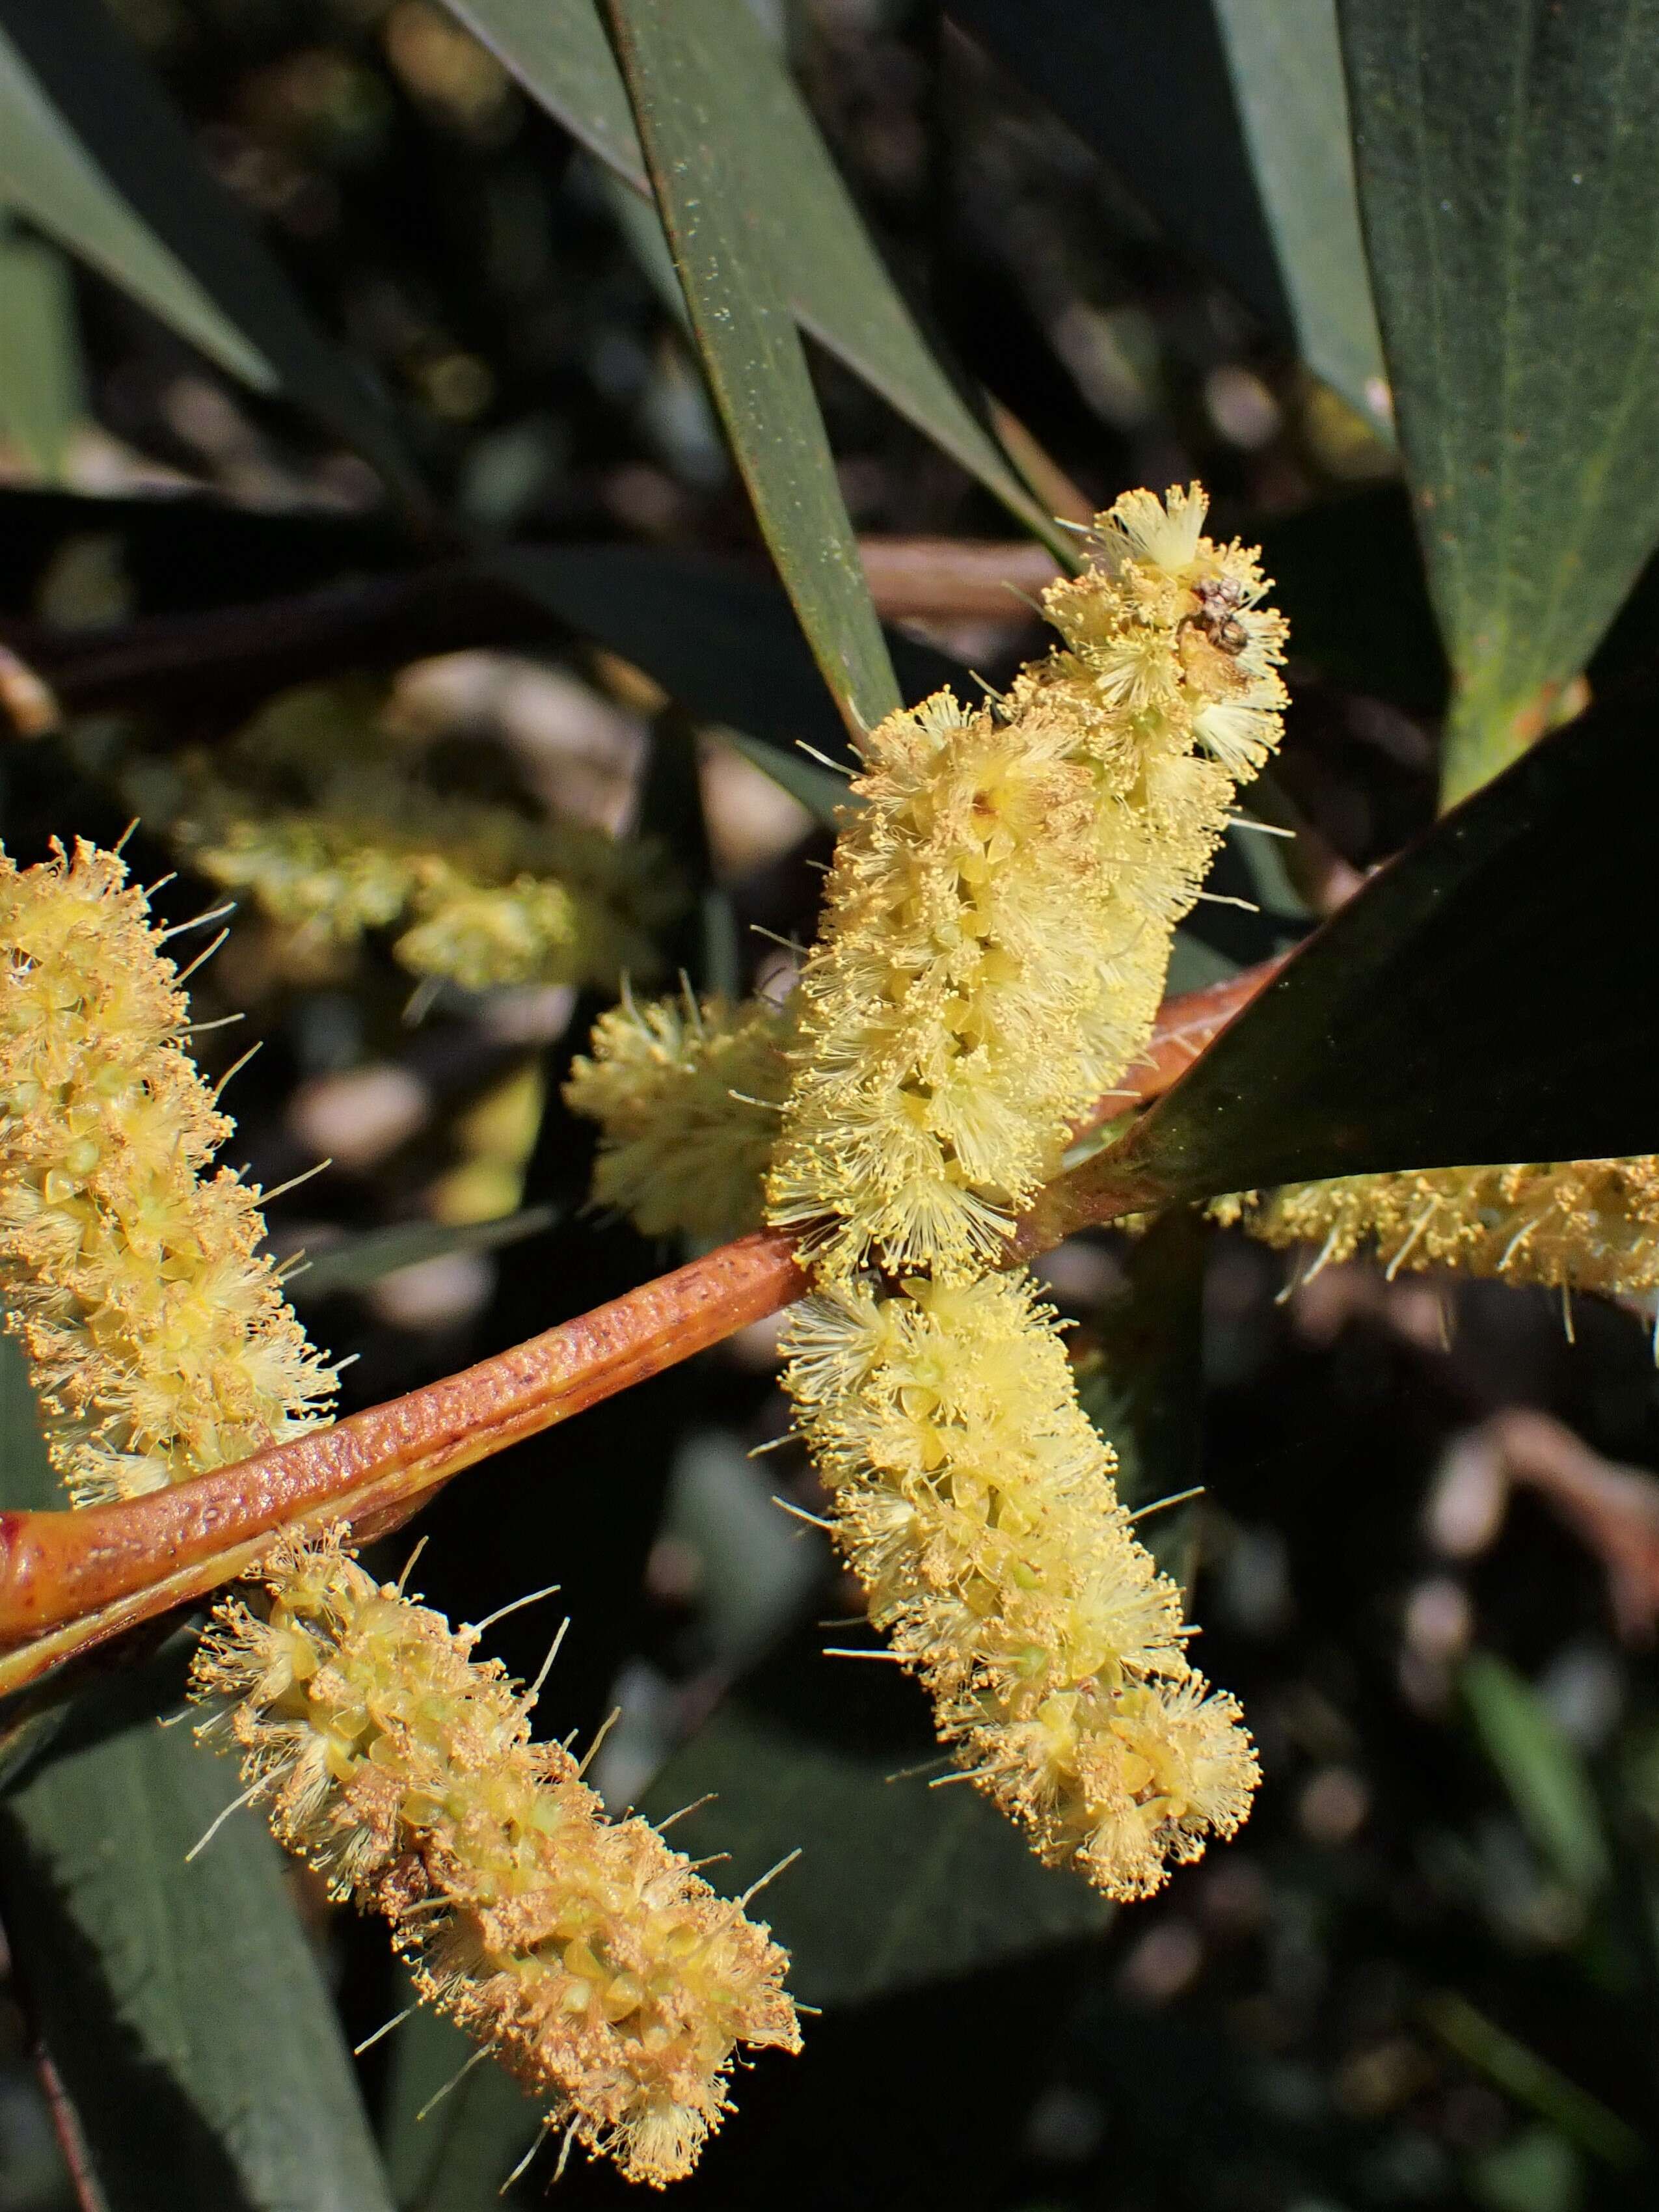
[[976, 1503], [1576, 1224], [159, 1342], [997, 920], [316, 812], [687, 1094], [586, 1953]]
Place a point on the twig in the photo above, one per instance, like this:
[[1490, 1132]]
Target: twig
[[69, 1581]]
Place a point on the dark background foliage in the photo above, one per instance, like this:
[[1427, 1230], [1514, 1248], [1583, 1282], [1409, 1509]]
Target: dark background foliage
[[1425, 1975]]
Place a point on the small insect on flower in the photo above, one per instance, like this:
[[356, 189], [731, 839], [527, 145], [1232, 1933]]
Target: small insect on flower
[[585, 1952], [159, 1341], [997, 920]]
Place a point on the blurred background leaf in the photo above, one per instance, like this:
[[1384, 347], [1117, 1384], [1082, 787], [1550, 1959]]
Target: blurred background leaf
[[94, 155], [1542, 1772], [42, 395], [1228, 119]]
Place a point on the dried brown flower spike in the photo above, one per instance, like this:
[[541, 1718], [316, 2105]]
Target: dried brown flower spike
[[585, 1952]]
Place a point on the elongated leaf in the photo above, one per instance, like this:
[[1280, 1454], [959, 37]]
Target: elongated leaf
[[830, 272], [898, 1884], [1541, 1770], [1484, 998], [1506, 153], [182, 2003], [1228, 117], [356, 1262], [41, 394], [676, 60], [92, 151]]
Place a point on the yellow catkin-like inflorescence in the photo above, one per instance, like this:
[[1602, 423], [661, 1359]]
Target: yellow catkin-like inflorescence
[[687, 1094], [975, 1500], [316, 814], [586, 1953], [159, 1342], [1578, 1225], [997, 920]]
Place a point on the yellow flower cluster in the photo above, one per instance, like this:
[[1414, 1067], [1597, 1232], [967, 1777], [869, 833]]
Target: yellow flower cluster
[[314, 813], [588, 1953], [687, 1096], [992, 953], [607, 1976], [975, 1501], [1582, 1224], [999, 916], [159, 1342]]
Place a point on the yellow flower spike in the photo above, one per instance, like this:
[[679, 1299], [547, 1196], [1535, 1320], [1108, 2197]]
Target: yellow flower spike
[[1006, 1573], [315, 811], [159, 1345], [687, 1096], [159, 1341], [1578, 1225], [997, 920], [586, 1953]]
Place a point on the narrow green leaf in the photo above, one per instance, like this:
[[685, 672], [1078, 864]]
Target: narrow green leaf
[[1228, 118], [898, 1885], [1484, 998], [42, 397], [182, 2004], [1533, 2082], [355, 1262], [675, 60], [91, 150], [1541, 1770], [840, 290], [1286, 61], [1506, 153]]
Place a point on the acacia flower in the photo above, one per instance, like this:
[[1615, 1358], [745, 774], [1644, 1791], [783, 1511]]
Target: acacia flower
[[997, 920], [158, 1338], [1578, 1225], [686, 1093], [589, 1954], [975, 1501], [316, 812]]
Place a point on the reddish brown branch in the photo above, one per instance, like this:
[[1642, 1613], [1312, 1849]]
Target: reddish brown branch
[[70, 1580]]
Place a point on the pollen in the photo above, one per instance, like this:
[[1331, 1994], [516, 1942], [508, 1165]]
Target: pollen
[[590, 1956]]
